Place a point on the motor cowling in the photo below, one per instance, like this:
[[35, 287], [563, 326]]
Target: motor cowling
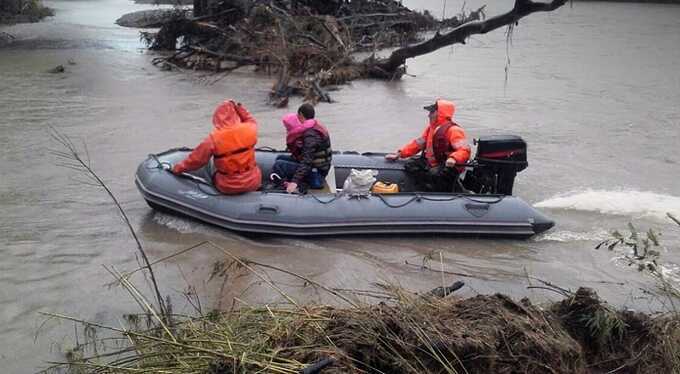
[[498, 160]]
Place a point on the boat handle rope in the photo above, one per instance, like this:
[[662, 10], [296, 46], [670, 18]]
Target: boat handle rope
[[337, 196], [159, 163], [418, 198], [414, 198], [198, 181]]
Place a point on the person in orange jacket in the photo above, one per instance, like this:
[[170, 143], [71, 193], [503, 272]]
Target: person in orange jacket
[[231, 144], [445, 148]]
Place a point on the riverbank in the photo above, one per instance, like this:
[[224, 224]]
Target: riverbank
[[406, 333], [570, 75], [21, 11]]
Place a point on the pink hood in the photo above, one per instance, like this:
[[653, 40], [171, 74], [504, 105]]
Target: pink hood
[[294, 127]]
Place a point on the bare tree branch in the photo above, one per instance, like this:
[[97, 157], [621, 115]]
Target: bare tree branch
[[521, 9], [79, 164]]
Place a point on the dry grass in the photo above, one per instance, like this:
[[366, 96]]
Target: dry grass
[[405, 333], [410, 333], [413, 335]]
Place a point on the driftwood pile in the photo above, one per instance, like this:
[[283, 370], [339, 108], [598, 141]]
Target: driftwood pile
[[18, 11], [311, 44]]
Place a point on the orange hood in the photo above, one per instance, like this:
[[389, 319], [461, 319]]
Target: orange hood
[[445, 111], [225, 115]]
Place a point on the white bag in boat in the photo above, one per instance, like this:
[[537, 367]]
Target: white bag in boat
[[330, 179], [359, 182]]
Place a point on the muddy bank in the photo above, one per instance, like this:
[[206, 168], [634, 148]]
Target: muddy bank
[[408, 333]]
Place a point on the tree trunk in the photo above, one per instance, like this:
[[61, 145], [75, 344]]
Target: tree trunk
[[199, 8], [388, 68]]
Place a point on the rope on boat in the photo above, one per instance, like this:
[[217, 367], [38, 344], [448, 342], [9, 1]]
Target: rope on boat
[[419, 197], [160, 164], [416, 198], [337, 196]]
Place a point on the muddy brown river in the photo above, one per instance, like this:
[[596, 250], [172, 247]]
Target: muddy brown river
[[593, 88]]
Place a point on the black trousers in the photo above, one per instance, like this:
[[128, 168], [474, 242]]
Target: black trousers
[[432, 179]]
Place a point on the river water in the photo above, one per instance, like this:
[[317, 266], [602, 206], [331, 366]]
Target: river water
[[592, 88]]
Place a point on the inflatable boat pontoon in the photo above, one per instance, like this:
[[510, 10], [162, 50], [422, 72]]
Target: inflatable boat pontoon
[[489, 210]]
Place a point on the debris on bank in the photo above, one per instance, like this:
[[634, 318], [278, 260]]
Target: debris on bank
[[307, 44], [20, 11], [408, 334], [312, 44]]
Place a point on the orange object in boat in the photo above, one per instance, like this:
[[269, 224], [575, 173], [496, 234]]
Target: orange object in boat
[[380, 187]]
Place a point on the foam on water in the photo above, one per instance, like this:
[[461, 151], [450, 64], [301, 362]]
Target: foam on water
[[571, 236], [671, 272], [181, 225], [621, 202]]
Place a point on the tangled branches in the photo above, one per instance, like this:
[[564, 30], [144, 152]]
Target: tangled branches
[[310, 44]]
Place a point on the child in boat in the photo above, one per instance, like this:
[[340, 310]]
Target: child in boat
[[310, 146]]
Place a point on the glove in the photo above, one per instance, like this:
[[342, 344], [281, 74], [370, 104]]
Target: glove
[[291, 187], [392, 156]]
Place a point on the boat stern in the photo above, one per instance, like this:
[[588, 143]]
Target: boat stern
[[540, 223]]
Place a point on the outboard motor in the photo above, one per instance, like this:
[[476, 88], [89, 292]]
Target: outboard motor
[[498, 160]]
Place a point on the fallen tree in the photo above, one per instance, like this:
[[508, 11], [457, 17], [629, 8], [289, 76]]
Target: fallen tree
[[311, 44], [150, 18]]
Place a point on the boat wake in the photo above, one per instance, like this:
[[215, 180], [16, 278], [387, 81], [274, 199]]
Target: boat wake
[[671, 272], [178, 224], [571, 236], [624, 202]]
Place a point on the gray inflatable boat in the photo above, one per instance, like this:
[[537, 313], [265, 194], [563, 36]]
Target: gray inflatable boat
[[487, 208]]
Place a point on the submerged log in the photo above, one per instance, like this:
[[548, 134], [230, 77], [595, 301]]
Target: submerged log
[[442, 292], [6, 39], [57, 69], [153, 18]]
